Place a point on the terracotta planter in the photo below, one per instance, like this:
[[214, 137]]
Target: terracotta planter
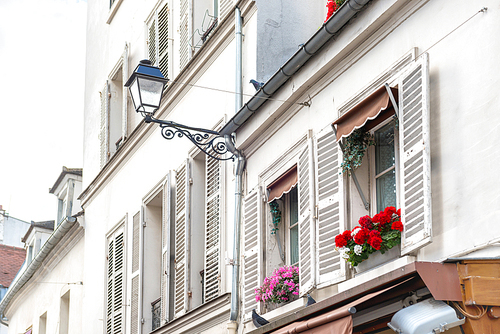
[[376, 259]]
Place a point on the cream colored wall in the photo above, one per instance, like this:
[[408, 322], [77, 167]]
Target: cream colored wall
[[464, 85], [44, 291]]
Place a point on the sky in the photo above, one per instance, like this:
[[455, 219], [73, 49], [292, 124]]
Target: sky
[[42, 65]]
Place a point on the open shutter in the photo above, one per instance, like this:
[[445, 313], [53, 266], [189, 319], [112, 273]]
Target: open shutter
[[414, 148], [152, 42], [329, 193], [225, 7], [181, 235], [104, 127], [307, 265], [134, 299], [212, 229], [124, 93], [163, 39], [166, 243], [184, 49], [115, 286], [252, 234]]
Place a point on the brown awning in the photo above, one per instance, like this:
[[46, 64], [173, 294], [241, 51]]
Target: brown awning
[[283, 184], [371, 111]]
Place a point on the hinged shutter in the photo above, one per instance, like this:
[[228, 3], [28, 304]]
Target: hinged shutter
[[252, 234], [152, 42], [212, 229], [115, 286], [307, 241], [331, 268], [225, 7], [182, 189], [184, 49], [104, 127], [166, 234], [134, 299], [414, 146], [163, 41], [125, 92]]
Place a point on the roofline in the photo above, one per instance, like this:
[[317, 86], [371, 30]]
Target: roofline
[[65, 171], [295, 63]]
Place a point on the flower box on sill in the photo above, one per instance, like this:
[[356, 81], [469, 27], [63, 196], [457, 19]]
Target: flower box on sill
[[377, 259], [280, 288]]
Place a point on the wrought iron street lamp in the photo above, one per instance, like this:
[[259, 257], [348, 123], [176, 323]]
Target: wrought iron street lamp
[[146, 86]]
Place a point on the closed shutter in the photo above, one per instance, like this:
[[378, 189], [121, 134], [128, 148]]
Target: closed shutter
[[225, 7], [104, 126], [212, 229], [163, 39], [252, 234], [184, 49], [414, 147], [329, 193], [134, 299], [182, 189], [166, 234], [115, 286], [307, 235]]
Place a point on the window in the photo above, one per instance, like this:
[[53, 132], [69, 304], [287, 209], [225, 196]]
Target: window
[[64, 314], [159, 39], [292, 219], [115, 281], [114, 118], [42, 324]]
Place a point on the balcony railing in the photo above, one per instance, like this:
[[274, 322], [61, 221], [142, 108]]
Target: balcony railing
[[156, 314]]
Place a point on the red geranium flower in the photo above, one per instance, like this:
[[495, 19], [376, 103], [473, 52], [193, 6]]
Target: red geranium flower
[[340, 241], [332, 7], [390, 210], [362, 236], [366, 222], [398, 212], [347, 235], [397, 225], [375, 242], [381, 218]]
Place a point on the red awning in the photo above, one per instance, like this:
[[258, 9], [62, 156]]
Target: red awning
[[371, 111], [283, 184]]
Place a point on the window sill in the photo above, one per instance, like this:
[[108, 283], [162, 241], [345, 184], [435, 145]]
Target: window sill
[[280, 312], [375, 272], [113, 10]]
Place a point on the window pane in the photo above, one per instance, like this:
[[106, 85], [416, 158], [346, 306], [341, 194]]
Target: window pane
[[384, 148], [294, 231], [294, 206], [386, 190]]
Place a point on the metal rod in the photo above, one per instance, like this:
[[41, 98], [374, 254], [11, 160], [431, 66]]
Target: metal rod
[[353, 175], [393, 100]]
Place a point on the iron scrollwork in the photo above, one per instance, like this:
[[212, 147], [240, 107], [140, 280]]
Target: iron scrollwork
[[212, 143]]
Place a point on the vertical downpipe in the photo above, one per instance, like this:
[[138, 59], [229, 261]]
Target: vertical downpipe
[[232, 325]]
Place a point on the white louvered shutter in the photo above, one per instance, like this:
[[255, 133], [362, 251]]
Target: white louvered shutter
[[163, 40], [115, 284], [104, 126], [153, 42], [252, 234], [134, 299], [213, 205], [166, 234], [414, 147], [307, 226], [330, 202], [182, 189], [184, 49], [225, 7]]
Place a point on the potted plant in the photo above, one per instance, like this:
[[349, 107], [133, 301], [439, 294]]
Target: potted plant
[[332, 6], [280, 288], [374, 234]]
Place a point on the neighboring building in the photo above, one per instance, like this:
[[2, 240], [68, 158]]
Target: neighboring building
[[47, 294], [11, 229], [11, 260]]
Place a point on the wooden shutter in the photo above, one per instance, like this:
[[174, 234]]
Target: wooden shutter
[[331, 220], [124, 92], [307, 235], [181, 236], [225, 7], [213, 207], [414, 148], [153, 42], [163, 39], [115, 284], [166, 235], [252, 234], [184, 49], [134, 299], [104, 127]]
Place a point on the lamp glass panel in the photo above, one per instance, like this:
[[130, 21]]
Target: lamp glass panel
[[134, 92], [150, 92]]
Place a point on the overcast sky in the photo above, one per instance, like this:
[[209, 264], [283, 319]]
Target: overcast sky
[[42, 63]]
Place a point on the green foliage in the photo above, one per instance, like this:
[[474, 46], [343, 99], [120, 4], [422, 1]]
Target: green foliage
[[276, 213], [355, 148]]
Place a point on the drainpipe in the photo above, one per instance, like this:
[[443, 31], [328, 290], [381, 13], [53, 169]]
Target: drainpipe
[[232, 326]]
